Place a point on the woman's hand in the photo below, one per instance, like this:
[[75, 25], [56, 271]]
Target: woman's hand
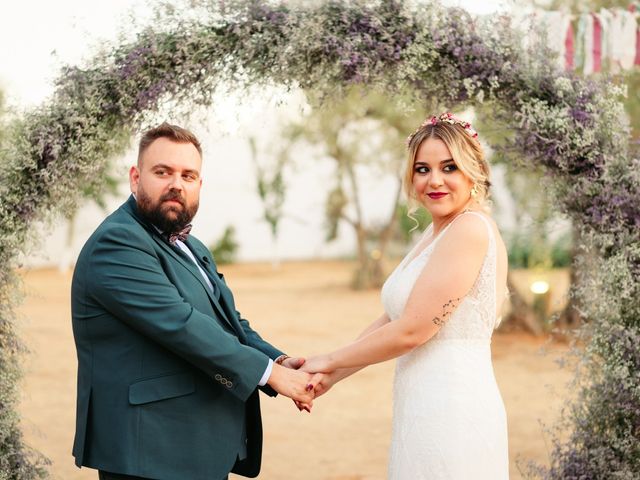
[[325, 381], [317, 364]]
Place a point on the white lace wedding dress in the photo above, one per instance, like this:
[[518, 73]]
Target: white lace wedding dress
[[449, 421]]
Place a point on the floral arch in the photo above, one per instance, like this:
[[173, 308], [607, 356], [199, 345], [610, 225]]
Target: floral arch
[[571, 128]]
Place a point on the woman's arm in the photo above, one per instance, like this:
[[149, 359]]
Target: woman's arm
[[448, 276], [324, 382], [382, 320]]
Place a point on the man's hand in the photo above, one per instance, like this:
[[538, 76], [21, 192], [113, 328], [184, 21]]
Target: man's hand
[[293, 362], [291, 383]]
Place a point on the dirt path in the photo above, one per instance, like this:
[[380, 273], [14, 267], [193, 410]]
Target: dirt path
[[304, 308]]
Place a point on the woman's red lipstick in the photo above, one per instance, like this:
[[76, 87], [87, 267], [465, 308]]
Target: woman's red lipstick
[[436, 195]]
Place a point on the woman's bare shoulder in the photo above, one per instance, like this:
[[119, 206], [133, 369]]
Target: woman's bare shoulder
[[470, 226], [467, 236]]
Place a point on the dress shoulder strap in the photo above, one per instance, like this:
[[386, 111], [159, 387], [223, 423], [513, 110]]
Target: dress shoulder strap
[[477, 214], [484, 219]]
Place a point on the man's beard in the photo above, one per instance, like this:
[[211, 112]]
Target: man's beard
[[158, 214]]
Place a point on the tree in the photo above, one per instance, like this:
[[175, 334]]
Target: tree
[[97, 194], [225, 248], [272, 192], [363, 130]]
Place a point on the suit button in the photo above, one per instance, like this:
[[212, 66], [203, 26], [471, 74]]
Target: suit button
[[218, 377], [229, 384]]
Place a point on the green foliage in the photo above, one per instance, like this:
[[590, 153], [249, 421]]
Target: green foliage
[[363, 128], [271, 187], [335, 206], [524, 253], [17, 460], [225, 249], [632, 103]]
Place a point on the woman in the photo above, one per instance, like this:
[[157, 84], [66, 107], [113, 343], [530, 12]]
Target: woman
[[441, 306]]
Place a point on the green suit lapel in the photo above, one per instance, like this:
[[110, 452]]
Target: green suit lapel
[[222, 300], [182, 257]]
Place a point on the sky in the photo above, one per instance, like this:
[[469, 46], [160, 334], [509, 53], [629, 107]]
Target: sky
[[38, 36]]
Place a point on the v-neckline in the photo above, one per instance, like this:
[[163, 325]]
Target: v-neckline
[[434, 239], [415, 253]]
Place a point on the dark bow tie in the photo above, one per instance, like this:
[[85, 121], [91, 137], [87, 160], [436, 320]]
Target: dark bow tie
[[179, 235]]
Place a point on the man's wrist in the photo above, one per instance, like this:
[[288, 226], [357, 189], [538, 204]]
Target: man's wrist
[[267, 373], [275, 373], [281, 359]]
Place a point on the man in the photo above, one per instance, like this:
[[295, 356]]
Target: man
[[168, 370]]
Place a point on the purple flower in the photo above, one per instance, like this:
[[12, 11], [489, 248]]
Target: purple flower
[[133, 61], [580, 116], [148, 97], [364, 39]]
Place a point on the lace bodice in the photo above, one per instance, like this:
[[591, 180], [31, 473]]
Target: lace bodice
[[475, 317]]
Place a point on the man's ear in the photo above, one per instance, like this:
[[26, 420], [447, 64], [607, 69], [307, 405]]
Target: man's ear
[[134, 178]]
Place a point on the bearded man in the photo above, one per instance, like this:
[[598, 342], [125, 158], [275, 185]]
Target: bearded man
[[168, 370]]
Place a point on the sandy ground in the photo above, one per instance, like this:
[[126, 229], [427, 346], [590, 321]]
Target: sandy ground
[[304, 308]]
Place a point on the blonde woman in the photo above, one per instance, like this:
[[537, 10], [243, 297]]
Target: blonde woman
[[441, 307]]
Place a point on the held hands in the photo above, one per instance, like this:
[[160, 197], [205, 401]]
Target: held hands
[[291, 382], [323, 378], [295, 363], [324, 381], [303, 380]]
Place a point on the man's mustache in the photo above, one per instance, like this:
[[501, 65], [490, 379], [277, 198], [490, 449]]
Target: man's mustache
[[173, 196]]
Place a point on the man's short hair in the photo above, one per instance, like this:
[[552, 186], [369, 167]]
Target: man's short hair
[[172, 132]]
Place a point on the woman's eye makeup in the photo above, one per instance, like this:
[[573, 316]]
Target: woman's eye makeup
[[447, 168]]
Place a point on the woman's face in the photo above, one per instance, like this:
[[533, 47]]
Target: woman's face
[[438, 183]]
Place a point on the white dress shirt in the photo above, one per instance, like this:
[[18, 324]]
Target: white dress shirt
[[185, 249]]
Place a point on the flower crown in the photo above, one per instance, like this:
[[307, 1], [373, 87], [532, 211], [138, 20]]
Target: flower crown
[[446, 117]]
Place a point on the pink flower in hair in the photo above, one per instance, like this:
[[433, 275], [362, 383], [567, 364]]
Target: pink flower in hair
[[446, 117], [449, 118]]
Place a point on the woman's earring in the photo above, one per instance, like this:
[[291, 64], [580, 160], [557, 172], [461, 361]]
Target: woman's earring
[[474, 191]]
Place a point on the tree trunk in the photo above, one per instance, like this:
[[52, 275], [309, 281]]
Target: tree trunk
[[362, 274], [570, 317], [522, 315], [377, 269]]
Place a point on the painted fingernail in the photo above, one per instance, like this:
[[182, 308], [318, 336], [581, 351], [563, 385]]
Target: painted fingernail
[[309, 387]]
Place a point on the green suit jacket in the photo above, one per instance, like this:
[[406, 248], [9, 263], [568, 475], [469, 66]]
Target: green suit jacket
[[167, 369]]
